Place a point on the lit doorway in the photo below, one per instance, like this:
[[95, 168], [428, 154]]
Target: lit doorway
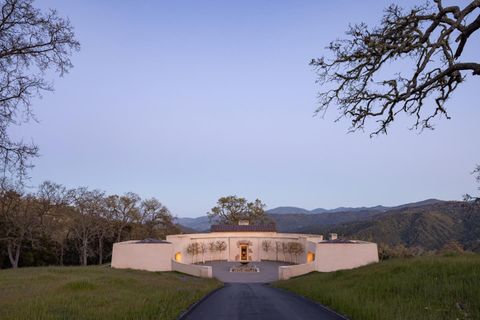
[[178, 257], [310, 256], [244, 252]]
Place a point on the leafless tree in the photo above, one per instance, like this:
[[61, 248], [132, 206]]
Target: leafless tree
[[125, 210], [59, 227], [203, 248], [78, 220], [24, 217], [156, 219], [284, 247], [212, 248], [19, 221], [105, 227], [295, 249], [278, 249], [87, 206], [53, 200], [267, 246], [475, 200], [31, 43], [193, 249], [430, 37], [220, 247]]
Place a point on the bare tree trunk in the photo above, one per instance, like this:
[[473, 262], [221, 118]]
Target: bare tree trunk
[[14, 257], [84, 252], [100, 250], [119, 235], [61, 253]]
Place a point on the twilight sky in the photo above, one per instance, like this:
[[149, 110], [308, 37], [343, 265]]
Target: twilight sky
[[189, 101]]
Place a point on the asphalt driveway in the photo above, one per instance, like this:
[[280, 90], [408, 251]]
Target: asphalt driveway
[[255, 301]]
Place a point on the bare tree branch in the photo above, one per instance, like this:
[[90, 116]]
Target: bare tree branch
[[423, 36], [31, 42]]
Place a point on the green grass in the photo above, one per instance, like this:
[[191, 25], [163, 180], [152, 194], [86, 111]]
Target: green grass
[[97, 293], [436, 287]]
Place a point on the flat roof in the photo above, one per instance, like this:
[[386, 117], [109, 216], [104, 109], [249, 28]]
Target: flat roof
[[342, 241], [243, 228], [151, 240]]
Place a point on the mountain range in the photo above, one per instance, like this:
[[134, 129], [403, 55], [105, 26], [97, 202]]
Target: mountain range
[[319, 216], [379, 208], [428, 224]]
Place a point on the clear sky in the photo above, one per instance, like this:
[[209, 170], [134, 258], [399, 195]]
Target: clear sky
[[189, 101]]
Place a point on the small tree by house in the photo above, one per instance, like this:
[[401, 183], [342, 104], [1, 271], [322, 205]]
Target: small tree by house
[[290, 250], [212, 248], [193, 249], [277, 249], [267, 246], [203, 249], [295, 249], [284, 247], [220, 247]]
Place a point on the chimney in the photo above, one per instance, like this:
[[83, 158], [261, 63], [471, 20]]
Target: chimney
[[333, 236], [243, 222]]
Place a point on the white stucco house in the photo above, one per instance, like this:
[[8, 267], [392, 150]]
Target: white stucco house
[[244, 243]]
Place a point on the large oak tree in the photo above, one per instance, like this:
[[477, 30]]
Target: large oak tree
[[232, 209]]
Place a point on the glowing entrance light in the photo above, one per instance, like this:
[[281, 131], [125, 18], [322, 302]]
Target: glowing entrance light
[[310, 256], [178, 257]]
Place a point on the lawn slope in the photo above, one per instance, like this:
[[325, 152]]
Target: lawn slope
[[436, 287], [97, 293]]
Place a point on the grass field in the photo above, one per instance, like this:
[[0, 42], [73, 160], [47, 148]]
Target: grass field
[[97, 293], [437, 287]]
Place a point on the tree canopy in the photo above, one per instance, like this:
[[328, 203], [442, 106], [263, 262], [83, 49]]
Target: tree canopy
[[232, 209], [361, 77], [77, 226]]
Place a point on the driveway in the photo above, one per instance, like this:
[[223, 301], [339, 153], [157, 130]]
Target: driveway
[[254, 301], [268, 272]]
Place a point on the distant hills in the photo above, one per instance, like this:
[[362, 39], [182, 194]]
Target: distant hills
[[379, 208], [428, 224], [198, 224], [428, 227], [319, 216]]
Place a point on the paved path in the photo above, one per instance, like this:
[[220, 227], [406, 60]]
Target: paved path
[[268, 271], [247, 301]]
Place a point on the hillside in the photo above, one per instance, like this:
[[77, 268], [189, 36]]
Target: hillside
[[97, 292], [197, 224], [290, 219], [378, 208], [434, 287], [299, 222], [429, 227]]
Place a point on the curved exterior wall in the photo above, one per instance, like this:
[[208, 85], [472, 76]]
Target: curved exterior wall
[[339, 256], [232, 239], [142, 256], [318, 255]]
